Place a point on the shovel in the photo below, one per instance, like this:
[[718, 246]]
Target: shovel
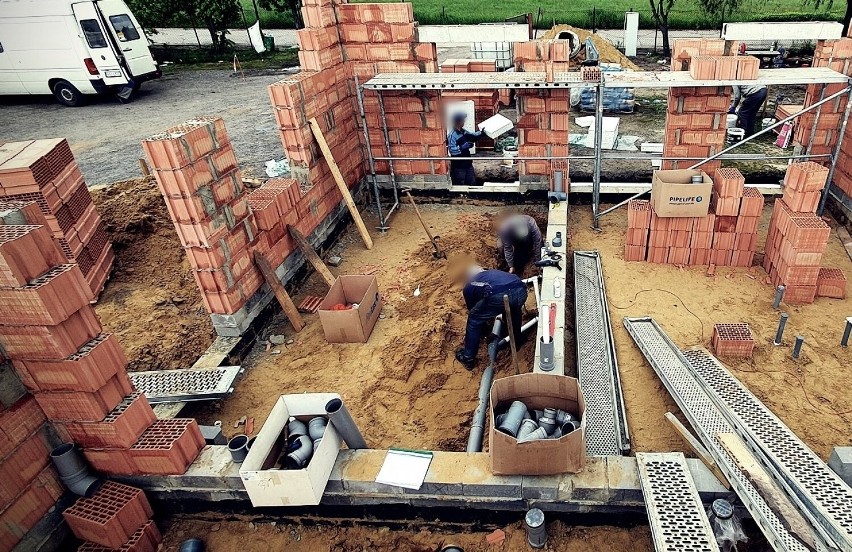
[[437, 254]]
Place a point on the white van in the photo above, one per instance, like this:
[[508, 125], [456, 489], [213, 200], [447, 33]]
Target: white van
[[70, 48]]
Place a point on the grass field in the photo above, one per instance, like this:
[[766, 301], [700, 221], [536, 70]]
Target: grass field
[[687, 14]]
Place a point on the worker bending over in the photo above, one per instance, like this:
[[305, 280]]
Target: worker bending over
[[749, 98], [483, 295], [520, 238], [460, 142]]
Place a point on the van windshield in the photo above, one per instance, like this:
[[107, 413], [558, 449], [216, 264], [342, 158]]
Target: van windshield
[[124, 28], [94, 36]]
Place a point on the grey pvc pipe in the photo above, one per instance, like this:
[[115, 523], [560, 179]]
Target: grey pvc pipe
[[782, 322], [316, 427], [847, 331], [192, 545], [527, 427], [547, 424], [536, 531], [237, 447], [797, 347], [514, 416], [300, 457], [342, 421], [779, 295], [73, 471], [536, 435], [296, 428]]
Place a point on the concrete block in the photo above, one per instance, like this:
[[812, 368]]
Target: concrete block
[[591, 484], [11, 388], [335, 480], [623, 479], [841, 462], [545, 487], [213, 435], [709, 487], [331, 499]]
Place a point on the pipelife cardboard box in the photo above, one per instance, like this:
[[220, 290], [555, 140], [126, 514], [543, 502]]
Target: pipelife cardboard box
[[267, 486], [546, 456], [356, 324], [674, 195]]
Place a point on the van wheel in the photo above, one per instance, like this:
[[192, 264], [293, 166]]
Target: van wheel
[[67, 95]]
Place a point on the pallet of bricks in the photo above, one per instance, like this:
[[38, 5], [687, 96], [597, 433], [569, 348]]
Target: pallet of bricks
[[486, 102], [837, 55], [76, 372], [45, 172], [797, 239], [697, 116], [726, 236]]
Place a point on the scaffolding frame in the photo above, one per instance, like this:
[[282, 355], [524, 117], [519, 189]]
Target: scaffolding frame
[[437, 82]]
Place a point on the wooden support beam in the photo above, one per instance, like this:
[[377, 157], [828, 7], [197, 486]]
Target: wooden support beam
[[281, 294], [311, 255], [143, 166], [768, 488], [341, 183], [699, 450]]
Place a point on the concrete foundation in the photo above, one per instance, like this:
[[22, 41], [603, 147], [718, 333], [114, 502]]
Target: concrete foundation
[[841, 462]]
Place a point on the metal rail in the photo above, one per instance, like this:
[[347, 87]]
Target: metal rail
[[826, 495], [190, 384], [673, 370], [675, 511], [597, 368]]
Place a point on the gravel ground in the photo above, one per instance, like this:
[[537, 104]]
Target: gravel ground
[[105, 135]]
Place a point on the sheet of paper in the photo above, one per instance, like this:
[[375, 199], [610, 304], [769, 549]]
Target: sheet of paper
[[404, 468]]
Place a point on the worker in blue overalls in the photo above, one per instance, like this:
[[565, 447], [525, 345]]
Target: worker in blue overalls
[[483, 295], [460, 142]]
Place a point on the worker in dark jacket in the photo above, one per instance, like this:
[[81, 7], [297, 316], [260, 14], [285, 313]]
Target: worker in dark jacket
[[483, 296], [520, 239], [459, 143], [749, 98]]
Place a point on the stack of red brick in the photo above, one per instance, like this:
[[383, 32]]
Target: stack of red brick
[[542, 56], [489, 100], [836, 54], [77, 373], [797, 237], [30, 484], [455, 65], [196, 171], [696, 119], [274, 206], [543, 126], [116, 517], [727, 237], [732, 340], [45, 172]]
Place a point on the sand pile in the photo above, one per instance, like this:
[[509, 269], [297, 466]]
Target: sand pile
[[608, 52]]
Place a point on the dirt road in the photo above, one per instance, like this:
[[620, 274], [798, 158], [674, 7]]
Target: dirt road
[[105, 135]]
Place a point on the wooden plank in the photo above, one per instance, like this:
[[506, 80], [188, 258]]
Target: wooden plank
[[775, 497], [341, 183], [280, 293], [311, 255], [699, 450]]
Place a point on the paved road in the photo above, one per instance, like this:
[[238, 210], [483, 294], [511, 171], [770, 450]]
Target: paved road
[[105, 136]]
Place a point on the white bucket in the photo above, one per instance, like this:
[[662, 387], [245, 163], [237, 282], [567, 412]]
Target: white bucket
[[732, 120], [735, 135]]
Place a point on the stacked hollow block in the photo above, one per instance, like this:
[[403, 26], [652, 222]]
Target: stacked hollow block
[[728, 239], [196, 171], [455, 65], [732, 340], [116, 517], [30, 486], [274, 208], [45, 172], [831, 282], [697, 116], [482, 97], [797, 239], [542, 56], [543, 127], [837, 55], [76, 372]]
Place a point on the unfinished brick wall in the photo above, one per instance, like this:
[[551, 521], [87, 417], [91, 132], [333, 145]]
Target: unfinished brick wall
[[45, 172], [797, 237], [727, 236]]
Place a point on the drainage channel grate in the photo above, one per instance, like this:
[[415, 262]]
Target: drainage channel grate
[[678, 520], [597, 368], [191, 384], [708, 421], [820, 489]]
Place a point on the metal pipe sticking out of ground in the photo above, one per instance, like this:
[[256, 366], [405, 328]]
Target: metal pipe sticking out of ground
[[782, 322], [847, 331], [779, 296], [797, 347]]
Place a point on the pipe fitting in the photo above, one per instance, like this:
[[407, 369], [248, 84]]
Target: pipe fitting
[[550, 413], [557, 433], [527, 427], [237, 446], [563, 416], [536, 435], [317, 444], [302, 454], [547, 424], [73, 471], [569, 426], [316, 427], [538, 415], [499, 419], [296, 428], [342, 421], [514, 416], [536, 531]]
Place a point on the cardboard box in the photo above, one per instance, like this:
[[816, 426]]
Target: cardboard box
[[353, 325], [674, 195], [548, 456], [305, 487]]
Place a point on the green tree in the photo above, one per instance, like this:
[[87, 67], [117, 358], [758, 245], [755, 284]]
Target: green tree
[[293, 7], [720, 8], [215, 15], [827, 5], [660, 10]]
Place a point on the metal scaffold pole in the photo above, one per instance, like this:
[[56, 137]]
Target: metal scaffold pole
[[843, 122], [369, 146], [596, 178], [384, 223]]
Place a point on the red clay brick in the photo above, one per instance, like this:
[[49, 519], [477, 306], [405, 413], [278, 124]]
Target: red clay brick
[[88, 369], [146, 539], [18, 422], [111, 516], [47, 300], [20, 467], [29, 507], [183, 144], [50, 342], [732, 340], [26, 252], [167, 447], [119, 429], [82, 406], [831, 282]]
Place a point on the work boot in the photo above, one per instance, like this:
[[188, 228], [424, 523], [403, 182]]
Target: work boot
[[466, 361]]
